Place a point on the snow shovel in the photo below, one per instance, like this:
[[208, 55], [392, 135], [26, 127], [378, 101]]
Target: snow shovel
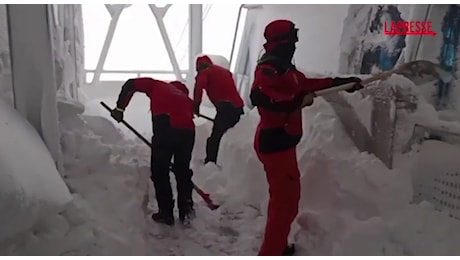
[[414, 70], [206, 117], [205, 196]]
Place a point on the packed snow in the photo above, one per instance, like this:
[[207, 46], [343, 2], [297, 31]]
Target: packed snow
[[351, 203], [30, 185]]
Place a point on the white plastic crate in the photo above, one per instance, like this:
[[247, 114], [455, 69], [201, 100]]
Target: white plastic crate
[[436, 176]]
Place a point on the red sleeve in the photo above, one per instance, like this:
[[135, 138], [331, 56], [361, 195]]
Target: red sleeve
[[266, 80], [315, 84], [130, 87], [201, 81]]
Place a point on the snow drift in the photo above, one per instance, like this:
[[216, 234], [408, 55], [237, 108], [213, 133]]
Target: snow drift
[[351, 204], [108, 181], [30, 185]]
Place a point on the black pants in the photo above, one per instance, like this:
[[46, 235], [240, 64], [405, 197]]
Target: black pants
[[227, 116], [176, 144]]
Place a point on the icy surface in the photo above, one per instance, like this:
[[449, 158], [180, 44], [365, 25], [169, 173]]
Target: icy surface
[[30, 185]]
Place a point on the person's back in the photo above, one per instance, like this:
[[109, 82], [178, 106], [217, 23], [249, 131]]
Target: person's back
[[217, 81], [170, 106], [221, 90], [166, 99], [173, 138]]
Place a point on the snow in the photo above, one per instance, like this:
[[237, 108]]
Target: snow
[[219, 60], [30, 185], [344, 204], [363, 106], [351, 203]]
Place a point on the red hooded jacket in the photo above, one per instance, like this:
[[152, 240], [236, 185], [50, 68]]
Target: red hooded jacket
[[181, 86], [217, 81], [166, 99], [278, 97]]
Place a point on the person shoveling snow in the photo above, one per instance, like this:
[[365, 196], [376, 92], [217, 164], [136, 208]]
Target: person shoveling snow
[[221, 89], [173, 136], [278, 91]]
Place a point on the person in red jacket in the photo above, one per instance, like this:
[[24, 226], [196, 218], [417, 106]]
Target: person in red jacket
[[221, 90], [173, 136], [278, 91]]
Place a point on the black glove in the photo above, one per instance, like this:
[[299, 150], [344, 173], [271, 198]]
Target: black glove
[[196, 109], [342, 81], [117, 114]]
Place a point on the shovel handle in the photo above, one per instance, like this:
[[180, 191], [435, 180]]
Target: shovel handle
[[373, 78], [203, 195]]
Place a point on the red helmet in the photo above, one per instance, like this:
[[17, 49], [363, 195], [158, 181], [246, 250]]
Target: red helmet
[[279, 31]]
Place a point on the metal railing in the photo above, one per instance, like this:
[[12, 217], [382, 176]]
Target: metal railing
[[137, 73]]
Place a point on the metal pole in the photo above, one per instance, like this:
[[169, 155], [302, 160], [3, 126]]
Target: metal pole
[[235, 34], [159, 14], [195, 39], [115, 13]]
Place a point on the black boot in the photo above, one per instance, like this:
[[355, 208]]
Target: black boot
[[289, 250], [163, 218], [186, 213]]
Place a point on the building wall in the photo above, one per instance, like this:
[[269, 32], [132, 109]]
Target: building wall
[[320, 28]]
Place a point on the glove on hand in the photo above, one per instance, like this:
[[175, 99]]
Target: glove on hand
[[342, 81], [308, 99], [117, 114]]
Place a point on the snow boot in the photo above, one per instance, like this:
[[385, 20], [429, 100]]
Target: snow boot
[[163, 218], [186, 215], [289, 250]]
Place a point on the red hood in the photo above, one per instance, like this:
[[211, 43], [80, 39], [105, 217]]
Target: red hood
[[203, 61], [181, 86], [279, 32]]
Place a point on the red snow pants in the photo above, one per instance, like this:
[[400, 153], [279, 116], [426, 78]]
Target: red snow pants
[[283, 178]]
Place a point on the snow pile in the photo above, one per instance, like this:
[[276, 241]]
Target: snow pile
[[415, 230], [351, 204], [111, 176], [108, 180], [137, 114], [363, 107], [348, 197], [30, 185]]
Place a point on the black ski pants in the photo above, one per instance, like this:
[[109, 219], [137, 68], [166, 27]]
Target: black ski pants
[[227, 116], [176, 144]]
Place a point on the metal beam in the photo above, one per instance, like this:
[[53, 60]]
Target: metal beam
[[235, 34], [159, 13], [115, 12], [195, 39]]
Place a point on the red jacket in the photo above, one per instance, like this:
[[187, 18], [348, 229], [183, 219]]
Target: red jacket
[[181, 86], [278, 97], [217, 81], [165, 100]]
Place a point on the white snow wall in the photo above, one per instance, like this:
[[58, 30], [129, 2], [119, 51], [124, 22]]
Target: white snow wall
[[33, 73], [46, 57]]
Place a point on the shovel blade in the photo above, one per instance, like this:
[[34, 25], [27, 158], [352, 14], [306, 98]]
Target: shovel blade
[[423, 71]]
